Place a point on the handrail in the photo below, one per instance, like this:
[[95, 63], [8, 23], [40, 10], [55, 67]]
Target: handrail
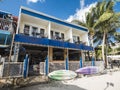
[[5, 24], [50, 42], [5, 20]]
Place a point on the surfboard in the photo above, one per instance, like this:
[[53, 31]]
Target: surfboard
[[62, 75], [88, 70]]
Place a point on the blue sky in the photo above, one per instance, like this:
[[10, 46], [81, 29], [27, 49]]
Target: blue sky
[[63, 9]]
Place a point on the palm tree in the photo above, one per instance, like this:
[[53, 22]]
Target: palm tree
[[98, 52], [102, 22], [107, 24], [89, 23]]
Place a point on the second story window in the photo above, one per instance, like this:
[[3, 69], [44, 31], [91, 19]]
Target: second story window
[[57, 36], [76, 39], [51, 33], [34, 31], [42, 31], [26, 29], [62, 36]]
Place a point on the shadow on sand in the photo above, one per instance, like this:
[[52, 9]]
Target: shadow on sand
[[52, 85]]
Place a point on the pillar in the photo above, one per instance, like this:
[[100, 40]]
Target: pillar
[[16, 52], [48, 30], [66, 57], [46, 65], [93, 60], [46, 68], [50, 53], [81, 63], [26, 65], [82, 57]]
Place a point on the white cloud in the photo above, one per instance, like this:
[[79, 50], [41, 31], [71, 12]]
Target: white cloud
[[35, 1], [80, 13], [82, 3]]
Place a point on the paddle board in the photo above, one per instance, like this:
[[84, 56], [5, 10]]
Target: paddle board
[[62, 75]]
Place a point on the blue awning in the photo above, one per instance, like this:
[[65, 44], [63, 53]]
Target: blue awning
[[4, 32], [49, 42]]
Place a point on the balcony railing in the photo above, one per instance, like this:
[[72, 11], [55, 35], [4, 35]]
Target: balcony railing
[[5, 24], [49, 42]]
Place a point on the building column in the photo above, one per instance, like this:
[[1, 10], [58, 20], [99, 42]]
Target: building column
[[48, 30], [50, 53], [81, 63], [93, 60], [83, 57], [26, 66], [69, 36], [47, 62], [66, 58], [47, 65], [16, 52]]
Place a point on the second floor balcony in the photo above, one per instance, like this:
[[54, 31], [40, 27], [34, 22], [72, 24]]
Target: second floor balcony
[[5, 24], [50, 42]]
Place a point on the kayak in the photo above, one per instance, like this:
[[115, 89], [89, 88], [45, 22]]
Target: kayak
[[88, 70], [62, 75]]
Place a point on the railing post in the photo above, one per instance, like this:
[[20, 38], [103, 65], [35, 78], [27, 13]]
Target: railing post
[[67, 61], [93, 61], [81, 65], [46, 66], [26, 65]]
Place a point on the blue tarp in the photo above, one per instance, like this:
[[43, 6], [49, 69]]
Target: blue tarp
[[49, 42]]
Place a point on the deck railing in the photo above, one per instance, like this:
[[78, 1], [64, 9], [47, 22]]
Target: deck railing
[[50, 42], [5, 24]]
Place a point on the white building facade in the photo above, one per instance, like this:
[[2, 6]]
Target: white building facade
[[50, 43]]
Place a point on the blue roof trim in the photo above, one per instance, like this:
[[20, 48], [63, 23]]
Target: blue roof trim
[[49, 42], [52, 19], [2, 12]]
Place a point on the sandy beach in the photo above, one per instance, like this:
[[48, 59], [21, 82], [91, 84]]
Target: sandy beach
[[109, 81]]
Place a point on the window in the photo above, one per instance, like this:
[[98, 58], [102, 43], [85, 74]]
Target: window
[[58, 54], [57, 35], [74, 55], [62, 36], [42, 31], [34, 31], [76, 39], [26, 29], [51, 33]]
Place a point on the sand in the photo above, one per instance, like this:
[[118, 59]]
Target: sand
[[109, 81]]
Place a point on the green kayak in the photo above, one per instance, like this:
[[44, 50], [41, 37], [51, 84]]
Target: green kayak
[[62, 75]]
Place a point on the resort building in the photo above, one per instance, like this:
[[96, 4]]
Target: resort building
[[50, 43], [8, 24]]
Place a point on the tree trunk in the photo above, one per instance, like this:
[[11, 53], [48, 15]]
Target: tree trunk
[[103, 49]]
